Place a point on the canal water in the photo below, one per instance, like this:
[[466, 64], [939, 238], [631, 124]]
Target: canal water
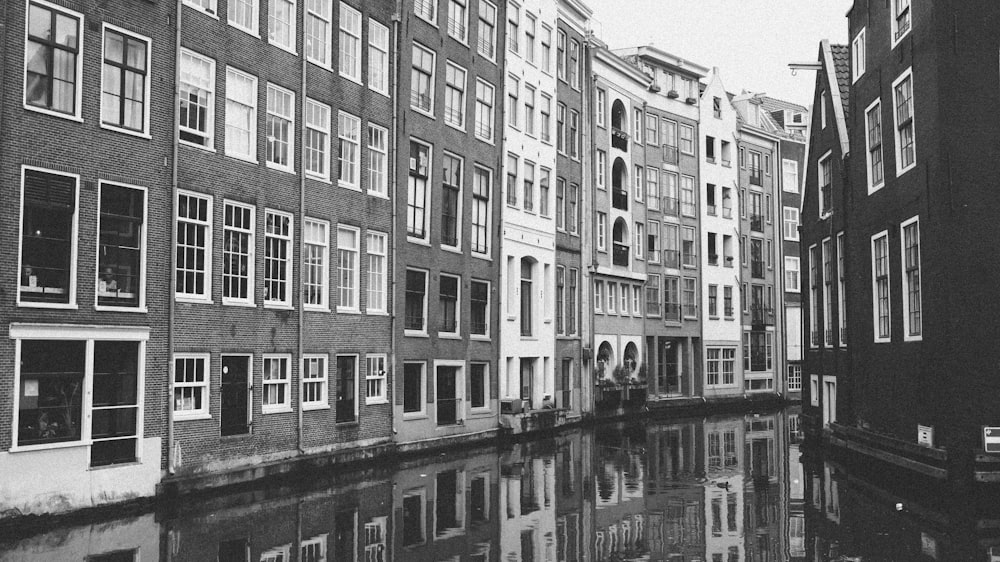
[[718, 489]]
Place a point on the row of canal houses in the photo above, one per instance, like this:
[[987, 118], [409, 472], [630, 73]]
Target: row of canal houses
[[255, 233]]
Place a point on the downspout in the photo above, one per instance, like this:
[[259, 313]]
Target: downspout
[[591, 267], [3, 53], [171, 459], [302, 248], [393, 165], [645, 284]]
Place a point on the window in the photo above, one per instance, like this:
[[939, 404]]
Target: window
[[416, 193], [690, 297], [481, 194], [880, 286], [318, 20], [545, 119], [637, 125], [378, 161], [377, 250], [560, 300], [639, 237], [822, 109], [413, 389], [544, 177], [561, 55], [795, 378], [873, 121], [602, 169], [790, 175], [422, 79], [53, 65], [243, 14], [426, 9], [280, 128], [602, 231], [743, 158], [513, 27], [416, 301], [378, 57], [479, 385], [529, 109], [197, 99], [316, 289], [281, 24], [458, 19], [448, 296], [901, 20], [572, 298], [710, 148], [713, 300], [350, 43], [194, 246], [688, 205], [652, 133], [728, 300], [601, 108], [571, 208], [348, 239], [239, 224], [349, 153], [574, 65], [902, 95], [790, 216], [911, 279], [207, 6], [121, 253], [528, 195], [125, 88], [814, 284], [454, 95], [573, 140], [546, 63], [317, 154], [277, 258], [484, 111], [530, 28], [841, 292], [190, 386], [487, 30], [314, 381], [825, 185], [276, 393], [713, 367], [347, 389], [858, 55], [375, 379], [451, 198], [792, 274], [241, 115], [527, 296], [513, 86], [612, 298], [689, 254], [598, 295], [687, 139], [479, 309]]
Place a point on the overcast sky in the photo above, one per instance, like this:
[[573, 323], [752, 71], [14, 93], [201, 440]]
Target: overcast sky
[[751, 41]]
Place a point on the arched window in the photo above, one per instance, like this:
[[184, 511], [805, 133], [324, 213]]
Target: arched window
[[527, 265], [605, 361], [619, 126], [619, 185], [630, 361], [619, 238]]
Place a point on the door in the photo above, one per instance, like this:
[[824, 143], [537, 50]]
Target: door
[[347, 374], [235, 394], [446, 396]]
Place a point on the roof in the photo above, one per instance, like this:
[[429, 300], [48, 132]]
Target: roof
[[771, 105], [842, 66]]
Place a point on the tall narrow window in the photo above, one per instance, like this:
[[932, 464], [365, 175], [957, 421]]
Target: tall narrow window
[[378, 160], [902, 94], [52, 62], [873, 119], [487, 29], [690, 296], [314, 382], [527, 297], [277, 258], [281, 23], [190, 385], [858, 60], [241, 115], [197, 99], [350, 42], [561, 55], [426, 9], [825, 185], [481, 194], [244, 15], [560, 300], [545, 118], [316, 237], [416, 301], [901, 20], [560, 204], [458, 19], [841, 289], [544, 177], [422, 79], [827, 249], [348, 274], [319, 18], [454, 96], [349, 154], [416, 194], [912, 323], [375, 381], [529, 186], [814, 285], [479, 316], [277, 382], [529, 109], [880, 286], [122, 239], [124, 87], [530, 29], [194, 248], [451, 200], [512, 163], [280, 128], [377, 272], [378, 57], [513, 27], [317, 139], [238, 253], [513, 93], [484, 111], [572, 298], [448, 297]]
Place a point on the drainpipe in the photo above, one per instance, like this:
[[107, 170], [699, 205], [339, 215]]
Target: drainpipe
[[3, 53], [171, 305], [302, 248], [645, 161], [393, 165]]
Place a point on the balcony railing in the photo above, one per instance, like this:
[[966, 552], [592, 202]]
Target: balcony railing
[[620, 255], [757, 223], [420, 101], [902, 24], [671, 258], [670, 154], [672, 312], [456, 29], [486, 47], [484, 130], [619, 139], [755, 177], [757, 269], [619, 199], [688, 259], [670, 206], [453, 116], [761, 315]]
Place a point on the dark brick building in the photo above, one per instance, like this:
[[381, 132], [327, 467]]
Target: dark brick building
[[85, 154]]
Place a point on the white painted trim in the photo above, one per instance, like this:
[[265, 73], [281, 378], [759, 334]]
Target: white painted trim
[[908, 73], [905, 285], [888, 257]]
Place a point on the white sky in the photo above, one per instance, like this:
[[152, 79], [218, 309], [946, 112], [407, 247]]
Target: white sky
[[751, 41]]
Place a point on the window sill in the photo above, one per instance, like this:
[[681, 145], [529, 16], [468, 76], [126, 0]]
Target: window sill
[[54, 305], [350, 186], [460, 127], [241, 304], [44, 111], [486, 257], [376, 402], [449, 336], [193, 299], [290, 50], [480, 412], [380, 92], [276, 410], [131, 309], [242, 158], [428, 113], [129, 132], [313, 407], [451, 249], [193, 417], [414, 416], [115, 465], [320, 64], [378, 194], [418, 241], [376, 313], [415, 334], [318, 178], [315, 308], [479, 337], [279, 168], [211, 149], [278, 306], [348, 310], [202, 11], [250, 32], [47, 446]]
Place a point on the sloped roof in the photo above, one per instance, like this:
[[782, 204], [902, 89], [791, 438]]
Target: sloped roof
[[842, 66], [771, 105]]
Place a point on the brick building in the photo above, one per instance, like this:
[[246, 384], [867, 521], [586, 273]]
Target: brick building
[[281, 317], [85, 169]]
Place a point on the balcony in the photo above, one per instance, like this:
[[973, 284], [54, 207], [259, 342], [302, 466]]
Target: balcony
[[757, 269], [619, 199], [755, 177], [761, 315], [672, 312], [671, 155], [671, 258], [670, 206], [757, 223], [619, 139], [620, 255]]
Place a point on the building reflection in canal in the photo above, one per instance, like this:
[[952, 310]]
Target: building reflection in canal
[[719, 489]]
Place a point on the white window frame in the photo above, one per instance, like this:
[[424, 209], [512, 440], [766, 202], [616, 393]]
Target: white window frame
[[786, 165], [826, 256], [876, 108], [793, 265], [425, 225], [429, 112], [324, 266], [907, 336], [429, 6], [326, 21], [788, 215], [900, 169], [377, 283], [378, 57], [875, 310], [352, 71], [492, 39], [828, 157], [286, 381], [422, 412], [602, 169], [814, 293], [858, 56], [602, 232], [372, 361], [822, 109], [457, 333], [459, 30], [315, 122], [481, 103], [349, 133], [271, 17], [250, 231], [288, 239], [209, 88], [814, 390], [290, 117], [202, 413], [478, 172], [354, 291], [841, 288], [487, 397], [144, 132], [894, 22], [489, 311], [600, 107], [357, 394], [422, 332], [378, 152], [254, 28], [323, 380], [206, 295], [451, 67], [209, 7], [233, 73], [74, 241]]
